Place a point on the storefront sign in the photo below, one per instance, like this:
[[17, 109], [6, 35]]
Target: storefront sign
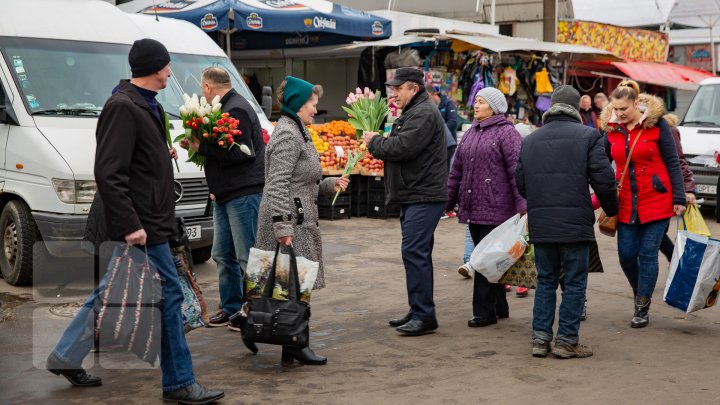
[[626, 43], [698, 57]]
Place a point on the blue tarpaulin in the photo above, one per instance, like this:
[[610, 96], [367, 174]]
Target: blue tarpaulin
[[263, 24]]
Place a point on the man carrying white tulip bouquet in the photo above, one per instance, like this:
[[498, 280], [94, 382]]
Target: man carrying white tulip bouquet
[[236, 177]]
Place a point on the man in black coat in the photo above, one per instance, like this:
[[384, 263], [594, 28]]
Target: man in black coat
[[416, 177], [236, 178], [558, 163], [135, 181]]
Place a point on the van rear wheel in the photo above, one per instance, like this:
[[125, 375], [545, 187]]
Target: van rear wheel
[[19, 234]]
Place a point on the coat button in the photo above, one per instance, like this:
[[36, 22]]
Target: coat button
[[315, 202], [318, 182], [317, 224], [469, 191]]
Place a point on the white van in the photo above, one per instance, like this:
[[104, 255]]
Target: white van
[[56, 73], [700, 134]]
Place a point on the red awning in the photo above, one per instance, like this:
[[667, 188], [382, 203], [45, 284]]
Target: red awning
[[663, 74]]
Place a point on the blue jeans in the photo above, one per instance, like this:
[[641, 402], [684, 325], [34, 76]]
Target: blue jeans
[[638, 246], [549, 257], [175, 360], [418, 223], [235, 229], [469, 245]]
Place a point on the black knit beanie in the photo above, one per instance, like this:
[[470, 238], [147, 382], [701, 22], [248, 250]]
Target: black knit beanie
[[147, 56], [567, 95]]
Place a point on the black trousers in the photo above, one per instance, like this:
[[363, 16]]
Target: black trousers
[[489, 299]]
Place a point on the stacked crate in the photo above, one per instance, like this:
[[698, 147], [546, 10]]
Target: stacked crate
[[376, 200], [340, 210], [358, 195]]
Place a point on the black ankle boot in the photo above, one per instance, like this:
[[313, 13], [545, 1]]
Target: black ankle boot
[[304, 355], [642, 309]]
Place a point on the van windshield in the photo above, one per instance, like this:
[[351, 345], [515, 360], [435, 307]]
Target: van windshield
[[187, 69], [704, 111], [58, 77]]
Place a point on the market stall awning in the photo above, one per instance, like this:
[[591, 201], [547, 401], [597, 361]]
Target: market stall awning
[[663, 74], [503, 43], [399, 40]]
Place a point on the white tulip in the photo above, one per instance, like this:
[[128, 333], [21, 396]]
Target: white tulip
[[216, 100], [245, 149], [183, 110], [206, 120], [186, 98], [216, 107], [203, 101]]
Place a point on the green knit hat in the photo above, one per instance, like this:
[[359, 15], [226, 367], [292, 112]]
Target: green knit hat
[[297, 92]]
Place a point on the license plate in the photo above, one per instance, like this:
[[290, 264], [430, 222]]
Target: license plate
[[707, 189], [193, 232]]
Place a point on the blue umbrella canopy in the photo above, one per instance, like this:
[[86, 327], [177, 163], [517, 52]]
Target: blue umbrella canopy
[[263, 24], [210, 15]]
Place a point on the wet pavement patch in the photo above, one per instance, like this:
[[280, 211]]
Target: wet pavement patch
[[8, 302]]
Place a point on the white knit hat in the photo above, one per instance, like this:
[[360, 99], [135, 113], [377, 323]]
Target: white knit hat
[[495, 99]]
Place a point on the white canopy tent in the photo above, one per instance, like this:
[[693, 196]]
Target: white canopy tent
[[702, 14]]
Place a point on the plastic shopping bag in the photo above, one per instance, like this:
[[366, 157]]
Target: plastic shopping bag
[[694, 278], [500, 249], [258, 269], [695, 222]]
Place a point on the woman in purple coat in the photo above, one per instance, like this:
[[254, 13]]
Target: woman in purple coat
[[482, 184]]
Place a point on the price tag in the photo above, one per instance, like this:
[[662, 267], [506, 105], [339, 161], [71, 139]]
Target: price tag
[[339, 152]]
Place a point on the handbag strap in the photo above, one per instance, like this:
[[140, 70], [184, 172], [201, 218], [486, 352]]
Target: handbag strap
[[629, 157], [293, 278]]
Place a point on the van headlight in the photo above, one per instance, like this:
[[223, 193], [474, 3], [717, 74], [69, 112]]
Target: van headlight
[[75, 191]]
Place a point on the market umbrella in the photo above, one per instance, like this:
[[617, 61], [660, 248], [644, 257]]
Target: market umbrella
[[267, 24], [271, 24]]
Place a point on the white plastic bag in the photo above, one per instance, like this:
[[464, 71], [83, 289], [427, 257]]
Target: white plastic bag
[[500, 249]]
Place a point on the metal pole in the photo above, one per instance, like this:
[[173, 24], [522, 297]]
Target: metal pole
[[492, 12], [712, 51]]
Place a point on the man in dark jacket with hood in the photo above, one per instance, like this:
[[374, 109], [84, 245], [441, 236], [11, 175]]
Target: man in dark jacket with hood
[[558, 163], [135, 180], [236, 178], [416, 177]]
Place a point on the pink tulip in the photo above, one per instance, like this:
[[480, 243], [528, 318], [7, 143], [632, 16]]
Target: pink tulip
[[366, 91], [371, 96], [358, 91], [352, 97], [348, 101]]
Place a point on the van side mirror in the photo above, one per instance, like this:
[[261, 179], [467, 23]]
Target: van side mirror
[[267, 100]]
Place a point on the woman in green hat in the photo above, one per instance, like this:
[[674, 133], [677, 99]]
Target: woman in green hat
[[293, 180]]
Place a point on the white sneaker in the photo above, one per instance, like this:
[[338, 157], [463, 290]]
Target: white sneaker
[[465, 270]]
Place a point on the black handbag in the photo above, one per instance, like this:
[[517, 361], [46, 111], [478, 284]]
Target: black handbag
[[279, 322]]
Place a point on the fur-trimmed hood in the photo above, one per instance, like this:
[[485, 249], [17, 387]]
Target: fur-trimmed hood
[[652, 107]]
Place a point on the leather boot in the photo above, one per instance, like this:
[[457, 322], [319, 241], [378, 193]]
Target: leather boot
[[238, 320], [304, 355], [76, 375], [642, 309]]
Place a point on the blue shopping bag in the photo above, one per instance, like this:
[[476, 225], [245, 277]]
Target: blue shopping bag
[[694, 278]]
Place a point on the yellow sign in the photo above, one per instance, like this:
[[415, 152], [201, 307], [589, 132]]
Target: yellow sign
[[626, 43]]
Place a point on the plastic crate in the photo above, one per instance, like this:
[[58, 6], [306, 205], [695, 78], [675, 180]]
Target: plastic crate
[[380, 210], [343, 200], [335, 212], [376, 183]]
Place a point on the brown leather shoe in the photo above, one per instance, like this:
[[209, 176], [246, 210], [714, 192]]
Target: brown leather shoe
[[220, 319]]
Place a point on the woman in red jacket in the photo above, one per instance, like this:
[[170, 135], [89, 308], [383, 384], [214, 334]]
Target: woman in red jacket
[[652, 190]]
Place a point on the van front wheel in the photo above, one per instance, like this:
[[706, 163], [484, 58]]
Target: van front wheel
[[19, 234]]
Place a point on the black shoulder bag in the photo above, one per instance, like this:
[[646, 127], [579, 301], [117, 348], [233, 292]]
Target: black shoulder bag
[[279, 322]]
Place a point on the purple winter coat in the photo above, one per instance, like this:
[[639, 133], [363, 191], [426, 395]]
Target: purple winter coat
[[482, 179]]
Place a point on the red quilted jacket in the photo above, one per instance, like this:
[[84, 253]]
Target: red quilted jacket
[[654, 182]]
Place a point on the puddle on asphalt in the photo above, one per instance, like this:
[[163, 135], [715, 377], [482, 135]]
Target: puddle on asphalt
[[7, 304]]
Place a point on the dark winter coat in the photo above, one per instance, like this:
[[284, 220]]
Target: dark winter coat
[[133, 173], [654, 182], [688, 176], [232, 173], [448, 110], [558, 164], [415, 154], [482, 179]]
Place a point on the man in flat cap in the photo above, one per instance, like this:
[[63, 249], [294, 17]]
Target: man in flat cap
[[135, 182], [416, 172]]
